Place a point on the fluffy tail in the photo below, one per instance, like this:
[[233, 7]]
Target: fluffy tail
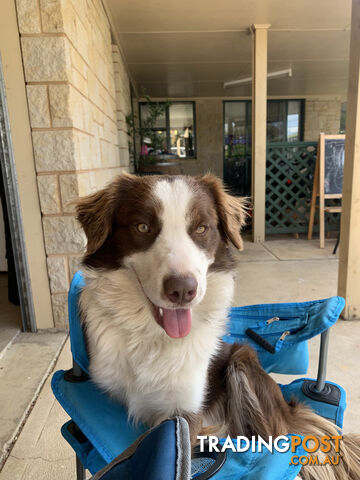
[[256, 406], [306, 422]]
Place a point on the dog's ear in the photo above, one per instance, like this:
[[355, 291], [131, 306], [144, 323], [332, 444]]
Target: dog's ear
[[231, 211], [96, 212]]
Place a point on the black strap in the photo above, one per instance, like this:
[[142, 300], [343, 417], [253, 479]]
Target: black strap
[[75, 431], [260, 340]]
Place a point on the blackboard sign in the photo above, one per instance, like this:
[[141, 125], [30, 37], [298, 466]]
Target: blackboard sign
[[328, 180], [334, 165]]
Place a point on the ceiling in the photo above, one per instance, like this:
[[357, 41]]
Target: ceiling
[[189, 48]]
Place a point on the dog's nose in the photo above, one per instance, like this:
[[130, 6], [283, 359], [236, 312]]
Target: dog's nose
[[180, 290]]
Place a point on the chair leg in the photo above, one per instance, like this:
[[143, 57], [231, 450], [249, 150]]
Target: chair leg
[[337, 244], [80, 470]]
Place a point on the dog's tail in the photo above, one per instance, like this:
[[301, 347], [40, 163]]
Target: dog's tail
[[343, 464], [256, 406]]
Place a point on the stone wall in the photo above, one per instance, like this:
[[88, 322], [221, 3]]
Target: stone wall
[[78, 96], [321, 115], [209, 139], [209, 135]]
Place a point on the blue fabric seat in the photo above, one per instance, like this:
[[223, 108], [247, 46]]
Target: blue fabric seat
[[100, 431]]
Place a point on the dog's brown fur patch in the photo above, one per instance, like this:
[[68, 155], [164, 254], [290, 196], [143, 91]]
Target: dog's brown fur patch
[[231, 210], [109, 218]]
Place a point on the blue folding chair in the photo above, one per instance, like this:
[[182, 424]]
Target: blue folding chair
[[103, 438]]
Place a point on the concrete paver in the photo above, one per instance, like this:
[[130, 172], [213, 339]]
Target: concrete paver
[[285, 281], [40, 451], [301, 249], [22, 370]]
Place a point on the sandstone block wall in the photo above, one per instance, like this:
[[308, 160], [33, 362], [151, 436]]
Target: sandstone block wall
[[321, 115], [78, 96]]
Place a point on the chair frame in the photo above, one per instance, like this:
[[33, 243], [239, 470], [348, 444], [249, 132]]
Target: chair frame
[[80, 469]]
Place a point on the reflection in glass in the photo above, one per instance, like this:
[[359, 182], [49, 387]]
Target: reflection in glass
[[237, 147], [182, 129], [174, 133], [293, 121], [275, 122], [144, 115]]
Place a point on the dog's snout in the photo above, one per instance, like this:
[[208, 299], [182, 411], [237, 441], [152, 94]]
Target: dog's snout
[[180, 290]]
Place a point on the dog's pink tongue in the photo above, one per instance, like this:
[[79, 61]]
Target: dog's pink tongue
[[177, 323]]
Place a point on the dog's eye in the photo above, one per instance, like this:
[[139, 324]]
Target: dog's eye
[[201, 229], [143, 228]]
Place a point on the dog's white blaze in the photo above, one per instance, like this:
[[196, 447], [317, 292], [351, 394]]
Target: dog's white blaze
[[173, 252]]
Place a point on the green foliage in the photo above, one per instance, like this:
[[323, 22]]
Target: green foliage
[[147, 129]]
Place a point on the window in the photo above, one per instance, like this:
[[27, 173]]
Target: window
[[285, 120], [175, 130], [237, 128]]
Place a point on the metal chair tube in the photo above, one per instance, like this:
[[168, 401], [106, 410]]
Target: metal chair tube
[[321, 376]]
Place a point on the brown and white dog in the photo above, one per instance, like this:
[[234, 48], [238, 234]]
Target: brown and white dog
[[159, 281]]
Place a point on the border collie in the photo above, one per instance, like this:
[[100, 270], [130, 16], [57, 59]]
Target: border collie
[[159, 277]]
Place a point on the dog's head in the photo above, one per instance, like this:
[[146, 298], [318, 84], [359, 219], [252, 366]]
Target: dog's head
[[169, 231]]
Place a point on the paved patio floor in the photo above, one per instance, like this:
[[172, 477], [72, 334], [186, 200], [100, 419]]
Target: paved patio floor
[[279, 270]]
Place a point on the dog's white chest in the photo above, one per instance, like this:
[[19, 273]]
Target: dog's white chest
[[155, 380]]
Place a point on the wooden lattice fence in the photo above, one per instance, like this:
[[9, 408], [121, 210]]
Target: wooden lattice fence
[[289, 181]]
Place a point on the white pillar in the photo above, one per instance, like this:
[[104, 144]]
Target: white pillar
[[349, 259], [259, 99]]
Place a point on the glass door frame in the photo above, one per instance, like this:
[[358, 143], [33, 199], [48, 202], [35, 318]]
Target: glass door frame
[[14, 213]]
